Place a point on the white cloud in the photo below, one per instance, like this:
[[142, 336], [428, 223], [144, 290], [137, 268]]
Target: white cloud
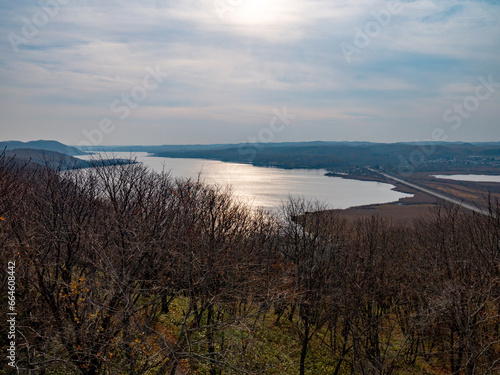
[[228, 73]]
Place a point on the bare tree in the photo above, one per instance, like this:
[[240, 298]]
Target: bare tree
[[310, 242]]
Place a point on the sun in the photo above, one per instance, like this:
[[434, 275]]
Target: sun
[[254, 12]]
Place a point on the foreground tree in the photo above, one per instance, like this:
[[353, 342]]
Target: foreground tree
[[461, 277], [121, 270], [311, 243]]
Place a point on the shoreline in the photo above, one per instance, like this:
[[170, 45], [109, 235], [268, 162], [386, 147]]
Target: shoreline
[[422, 204]]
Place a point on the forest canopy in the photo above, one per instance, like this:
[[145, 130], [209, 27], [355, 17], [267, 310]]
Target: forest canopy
[[120, 270]]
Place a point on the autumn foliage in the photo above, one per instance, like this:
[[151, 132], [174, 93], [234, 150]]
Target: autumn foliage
[[125, 271]]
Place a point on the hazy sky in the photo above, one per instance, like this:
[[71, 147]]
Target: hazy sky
[[219, 71]]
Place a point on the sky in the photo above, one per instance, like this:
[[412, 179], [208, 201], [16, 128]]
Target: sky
[[121, 72]]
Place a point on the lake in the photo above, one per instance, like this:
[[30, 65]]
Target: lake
[[470, 177], [269, 187]]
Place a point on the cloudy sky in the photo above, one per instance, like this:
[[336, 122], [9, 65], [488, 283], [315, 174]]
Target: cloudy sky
[[219, 71]]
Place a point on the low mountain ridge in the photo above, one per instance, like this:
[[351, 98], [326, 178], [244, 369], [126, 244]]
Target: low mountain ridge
[[30, 158], [50, 159], [42, 145]]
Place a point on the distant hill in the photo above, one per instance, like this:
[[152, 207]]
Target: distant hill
[[396, 157], [348, 155], [338, 156], [42, 145], [51, 159], [55, 160], [225, 147], [154, 149]]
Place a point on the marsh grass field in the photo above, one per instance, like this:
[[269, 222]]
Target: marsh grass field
[[422, 204]]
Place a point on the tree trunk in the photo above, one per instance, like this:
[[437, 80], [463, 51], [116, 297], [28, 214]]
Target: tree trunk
[[303, 353], [210, 339]]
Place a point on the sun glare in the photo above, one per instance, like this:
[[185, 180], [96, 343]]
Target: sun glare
[[256, 12]]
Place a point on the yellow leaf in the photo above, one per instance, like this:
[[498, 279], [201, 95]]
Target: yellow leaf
[[1, 218]]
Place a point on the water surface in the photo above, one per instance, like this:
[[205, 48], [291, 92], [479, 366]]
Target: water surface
[[269, 187], [470, 177]]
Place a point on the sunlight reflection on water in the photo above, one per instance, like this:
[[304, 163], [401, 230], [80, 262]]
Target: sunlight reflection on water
[[269, 187]]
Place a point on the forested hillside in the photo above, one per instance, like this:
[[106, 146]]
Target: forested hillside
[[122, 271], [42, 145], [31, 158], [347, 155]]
